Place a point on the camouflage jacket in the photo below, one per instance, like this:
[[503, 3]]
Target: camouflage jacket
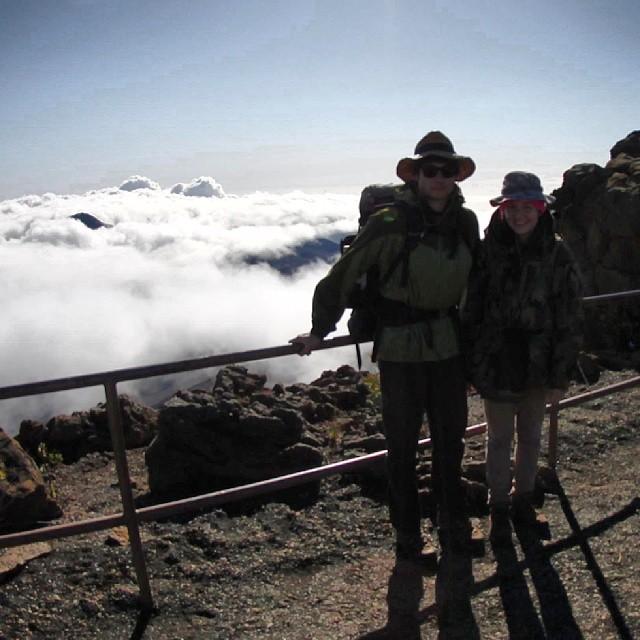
[[522, 321], [438, 269]]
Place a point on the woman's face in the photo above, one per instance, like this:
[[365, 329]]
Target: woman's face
[[522, 216]]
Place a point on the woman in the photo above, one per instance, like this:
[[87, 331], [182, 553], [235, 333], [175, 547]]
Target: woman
[[523, 323]]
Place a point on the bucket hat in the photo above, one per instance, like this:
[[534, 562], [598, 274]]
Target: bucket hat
[[520, 185], [434, 144]]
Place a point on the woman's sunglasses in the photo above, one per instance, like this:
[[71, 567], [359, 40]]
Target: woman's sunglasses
[[447, 170]]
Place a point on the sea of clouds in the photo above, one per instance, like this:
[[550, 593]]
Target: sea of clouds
[[166, 280]]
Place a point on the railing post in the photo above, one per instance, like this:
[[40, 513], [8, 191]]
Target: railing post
[[128, 507], [552, 453]]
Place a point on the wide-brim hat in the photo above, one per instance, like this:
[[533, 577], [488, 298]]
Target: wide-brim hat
[[434, 144], [520, 185]]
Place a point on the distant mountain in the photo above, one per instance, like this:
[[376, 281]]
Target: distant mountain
[[324, 249], [89, 221]]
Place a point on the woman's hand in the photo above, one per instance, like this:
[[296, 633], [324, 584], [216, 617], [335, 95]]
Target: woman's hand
[[307, 343], [554, 396]]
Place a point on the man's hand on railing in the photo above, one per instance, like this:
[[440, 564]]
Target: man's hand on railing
[[307, 342]]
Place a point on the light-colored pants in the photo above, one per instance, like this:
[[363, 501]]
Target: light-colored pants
[[528, 415]]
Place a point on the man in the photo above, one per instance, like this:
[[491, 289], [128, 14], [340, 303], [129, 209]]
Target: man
[[422, 246]]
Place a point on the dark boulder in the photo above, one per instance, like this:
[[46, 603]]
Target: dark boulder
[[83, 432], [344, 388], [24, 497], [598, 214], [237, 380], [242, 432], [32, 434], [629, 145], [207, 442]]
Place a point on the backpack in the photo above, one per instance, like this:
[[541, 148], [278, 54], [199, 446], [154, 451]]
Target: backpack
[[364, 299]]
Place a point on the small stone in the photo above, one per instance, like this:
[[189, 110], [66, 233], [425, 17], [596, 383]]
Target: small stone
[[124, 597], [118, 537], [171, 558], [14, 559], [90, 607]]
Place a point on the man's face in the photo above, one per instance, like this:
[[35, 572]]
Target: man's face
[[436, 179]]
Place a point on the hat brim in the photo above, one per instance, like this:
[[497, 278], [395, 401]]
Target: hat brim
[[407, 169], [496, 202]]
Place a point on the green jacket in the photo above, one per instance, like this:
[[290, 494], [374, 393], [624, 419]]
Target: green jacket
[[438, 269], [523, 318]]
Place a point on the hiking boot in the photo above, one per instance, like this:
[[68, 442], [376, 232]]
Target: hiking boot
[[455, 535], [426, 560], [499, 525], [410, 548], [522, 510]]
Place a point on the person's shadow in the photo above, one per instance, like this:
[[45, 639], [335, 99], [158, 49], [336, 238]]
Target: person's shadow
[[453, 598], [522, 618], [452, 606], [404, 594], [555, 608]]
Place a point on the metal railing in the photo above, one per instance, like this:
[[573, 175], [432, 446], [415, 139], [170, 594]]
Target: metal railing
[[109, 380], [606, 297], [132, 517]]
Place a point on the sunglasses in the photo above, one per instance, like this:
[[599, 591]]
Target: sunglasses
[[448, 170]]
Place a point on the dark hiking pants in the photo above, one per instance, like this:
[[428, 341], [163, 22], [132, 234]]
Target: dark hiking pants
[[408, 390]]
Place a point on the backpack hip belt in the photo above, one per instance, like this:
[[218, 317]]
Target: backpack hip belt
[[393, 313]]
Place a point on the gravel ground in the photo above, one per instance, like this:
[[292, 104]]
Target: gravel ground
[[327, 572]]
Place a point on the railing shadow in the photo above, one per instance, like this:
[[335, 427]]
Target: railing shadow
[[582, 539], [406, 590]]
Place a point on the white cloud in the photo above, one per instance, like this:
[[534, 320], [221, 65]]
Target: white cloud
[[205, 187], [166, 282], [132, 183]]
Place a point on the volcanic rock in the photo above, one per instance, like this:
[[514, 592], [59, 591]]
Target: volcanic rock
[[13, 560], [24, 498], [598, 215], [211, 441], [242, 432], [629, 145], [85, 431]]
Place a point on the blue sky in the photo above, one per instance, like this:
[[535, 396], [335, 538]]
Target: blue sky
[[291, 94]]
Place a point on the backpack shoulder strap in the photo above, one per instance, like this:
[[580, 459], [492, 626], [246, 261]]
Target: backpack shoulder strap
[[414, 231], [468, 229]]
